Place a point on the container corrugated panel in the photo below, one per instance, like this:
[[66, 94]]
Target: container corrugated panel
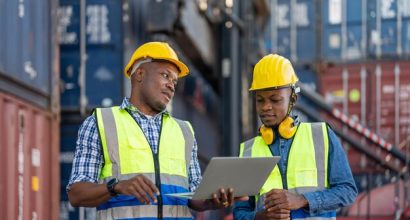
[[293, 35], [381, 201], [26, 43], [393, 118], [333, 82], [343, 36], [332, 86], [366, 181], [29, 158], [389, 26], [68, 132], [376, 94], [308, 77], [2, 37], [104, 65]]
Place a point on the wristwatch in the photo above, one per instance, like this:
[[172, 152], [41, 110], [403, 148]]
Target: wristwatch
[[110, 186]]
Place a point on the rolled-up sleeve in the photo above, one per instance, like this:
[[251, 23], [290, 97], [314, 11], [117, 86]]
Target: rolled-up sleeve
[[88, 156], [245, 210], [194, 173]]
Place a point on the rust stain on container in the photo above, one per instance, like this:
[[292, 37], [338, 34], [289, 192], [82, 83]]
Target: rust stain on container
[[29, 184]]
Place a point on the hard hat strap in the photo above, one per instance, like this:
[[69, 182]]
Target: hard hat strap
[[293, 98], [138, 64]]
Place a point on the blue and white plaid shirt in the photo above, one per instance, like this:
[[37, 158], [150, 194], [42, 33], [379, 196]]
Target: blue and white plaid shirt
[[89, 160]]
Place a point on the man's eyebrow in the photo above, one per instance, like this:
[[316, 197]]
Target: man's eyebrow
[[167, 70], [276, 96]]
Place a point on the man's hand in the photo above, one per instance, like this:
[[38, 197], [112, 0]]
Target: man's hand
[[140, 187], [223, 200], [278, 199]]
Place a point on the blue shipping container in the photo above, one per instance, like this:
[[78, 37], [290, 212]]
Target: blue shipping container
[[292, 30], [308, 77], [68, 134], [25, 43], [366, 29], [350, 30], [104, 65], [389, 28], [343, 35]]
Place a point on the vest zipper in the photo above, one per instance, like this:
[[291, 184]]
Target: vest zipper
[[157, 172], [284, 180], [286, 172], [156, 166], [290, 148]]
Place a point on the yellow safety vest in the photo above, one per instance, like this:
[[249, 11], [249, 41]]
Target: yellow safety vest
[[306, 167], [127, 153]]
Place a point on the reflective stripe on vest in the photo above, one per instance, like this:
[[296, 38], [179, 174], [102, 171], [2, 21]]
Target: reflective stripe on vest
[[274, 180], [127, 153], [310, 174], [144, 211]]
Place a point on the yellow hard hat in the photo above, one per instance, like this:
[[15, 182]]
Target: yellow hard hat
[[156, 51], [273, 71]]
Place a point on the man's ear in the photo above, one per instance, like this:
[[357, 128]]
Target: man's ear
[[294, 98], [138, 75]]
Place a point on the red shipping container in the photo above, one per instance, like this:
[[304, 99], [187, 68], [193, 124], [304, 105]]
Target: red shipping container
[[381, 201], [377, 95], [29, 157]]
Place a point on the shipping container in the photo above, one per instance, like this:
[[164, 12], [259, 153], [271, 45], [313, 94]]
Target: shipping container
[[382, 201], [29, 156], [103, 58], [343, 30], [375, 94], [25, 43], [388, 28], [308, 77], [70, 123], [367, 29], [292, 30], [28, 58], [339, 30]]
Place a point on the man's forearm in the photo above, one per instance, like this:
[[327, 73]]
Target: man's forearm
[[330, 199], [88, 194]]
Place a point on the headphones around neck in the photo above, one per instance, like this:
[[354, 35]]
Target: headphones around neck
[[287, 128]]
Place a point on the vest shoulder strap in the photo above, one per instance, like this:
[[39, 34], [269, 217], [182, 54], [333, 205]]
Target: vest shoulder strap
[[247, 147], [107, 129], [188, 133]]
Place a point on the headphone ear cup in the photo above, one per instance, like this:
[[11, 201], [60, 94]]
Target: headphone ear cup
[[267, 134], [286, 128]]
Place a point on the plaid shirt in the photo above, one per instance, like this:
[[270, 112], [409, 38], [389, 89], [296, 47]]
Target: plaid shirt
[[89, 160]]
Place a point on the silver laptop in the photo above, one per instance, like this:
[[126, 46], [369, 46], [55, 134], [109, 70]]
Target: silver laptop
[[246, 175]]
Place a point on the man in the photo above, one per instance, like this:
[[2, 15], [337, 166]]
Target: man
[[128, 157], [313, 177]]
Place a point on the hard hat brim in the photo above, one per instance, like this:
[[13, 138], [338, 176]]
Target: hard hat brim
[[182, 68], [271, 88]]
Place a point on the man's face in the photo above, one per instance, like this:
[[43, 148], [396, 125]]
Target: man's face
[[158, 84], [272, 105]]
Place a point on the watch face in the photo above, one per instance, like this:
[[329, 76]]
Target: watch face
[[112, 181], [110, 186]]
